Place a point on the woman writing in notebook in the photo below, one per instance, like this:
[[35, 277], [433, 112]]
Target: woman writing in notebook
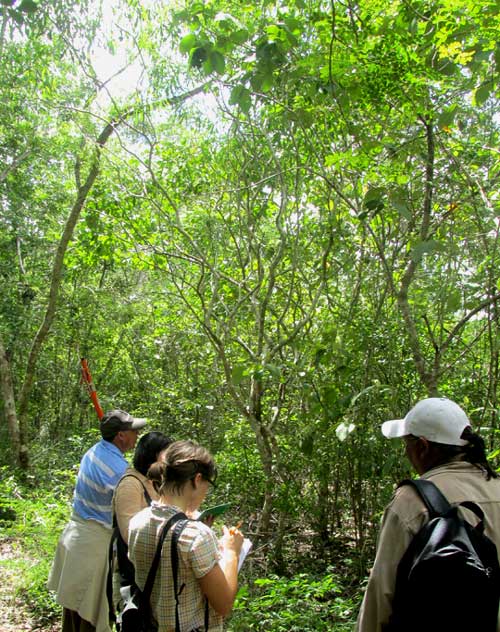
[[208, 568]]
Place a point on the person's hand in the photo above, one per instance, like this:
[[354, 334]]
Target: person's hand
[[232, 539]]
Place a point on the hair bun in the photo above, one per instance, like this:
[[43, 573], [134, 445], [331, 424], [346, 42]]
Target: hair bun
[[156, 471]]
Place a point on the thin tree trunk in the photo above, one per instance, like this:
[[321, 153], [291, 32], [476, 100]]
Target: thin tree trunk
[[19, 447], [265, 447], [428, 378], [55, 284]]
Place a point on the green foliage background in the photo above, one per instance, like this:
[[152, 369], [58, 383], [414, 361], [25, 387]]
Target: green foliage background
[[276, 228]]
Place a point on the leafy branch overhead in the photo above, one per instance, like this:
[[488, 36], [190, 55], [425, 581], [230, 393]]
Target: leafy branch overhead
[[350, 54]]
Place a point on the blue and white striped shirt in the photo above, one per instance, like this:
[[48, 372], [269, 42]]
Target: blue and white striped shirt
[[100, 470]]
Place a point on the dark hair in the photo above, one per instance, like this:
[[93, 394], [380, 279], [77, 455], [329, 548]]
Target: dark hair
[[147, 449], [183, 460], [474, 452]]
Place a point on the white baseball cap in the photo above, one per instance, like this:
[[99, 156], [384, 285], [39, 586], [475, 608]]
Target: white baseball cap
[[436, 419]]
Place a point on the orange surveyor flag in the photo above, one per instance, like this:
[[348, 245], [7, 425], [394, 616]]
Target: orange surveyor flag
[[87, 378]]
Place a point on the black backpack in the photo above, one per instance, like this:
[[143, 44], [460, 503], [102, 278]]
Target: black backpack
[[118, 554], [125, 566], [449, 577]]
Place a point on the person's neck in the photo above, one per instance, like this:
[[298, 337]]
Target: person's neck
[[119, 444], [175, 499]]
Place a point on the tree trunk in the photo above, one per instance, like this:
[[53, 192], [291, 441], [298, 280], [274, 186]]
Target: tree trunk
[[19, 448], [265, 444], [55, 284]]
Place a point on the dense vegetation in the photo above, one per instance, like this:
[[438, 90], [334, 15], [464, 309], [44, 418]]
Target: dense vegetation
[[269, 227]]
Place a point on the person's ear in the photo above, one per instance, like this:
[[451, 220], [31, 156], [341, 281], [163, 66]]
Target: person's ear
[[423, 445]]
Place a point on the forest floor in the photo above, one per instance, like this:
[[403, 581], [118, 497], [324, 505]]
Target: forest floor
[[14, 611]]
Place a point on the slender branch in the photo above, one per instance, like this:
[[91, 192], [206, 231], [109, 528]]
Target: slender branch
[[3, 29], [402, 295], [461, 323], [464, 353], [431, 333]]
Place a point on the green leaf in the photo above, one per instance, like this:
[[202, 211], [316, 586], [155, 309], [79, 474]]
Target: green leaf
[[240, 36], [256, 81], [421, 248], [363, 392], [235, 94], [274, 32], [241, 96], [446, 117], [245, 102], [454, 300], [238, 373], [225, 20], [262, 82], [447, 67], [307, 444], [267, 82], [187, 43], [398, 202], [374, 199], [218, 62], [28, 6], [293, 24], [207, 66], [483, 92], [496, 55], [274, 370], [198, 57], [304, 117]]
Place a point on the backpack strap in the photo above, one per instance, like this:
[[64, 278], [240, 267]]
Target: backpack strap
[[132, 475], [175, 569], [437, 504], [476, 509], [179, 527], [434, 501], [148, 587], [125, 566], [118, 545]]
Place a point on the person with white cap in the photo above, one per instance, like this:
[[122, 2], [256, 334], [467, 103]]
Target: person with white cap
[[79, 572], [442, 447]]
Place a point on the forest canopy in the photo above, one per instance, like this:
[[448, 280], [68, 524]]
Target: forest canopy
[[268, 226]]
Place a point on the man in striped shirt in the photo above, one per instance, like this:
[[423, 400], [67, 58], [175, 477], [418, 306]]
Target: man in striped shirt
[[79, 570]]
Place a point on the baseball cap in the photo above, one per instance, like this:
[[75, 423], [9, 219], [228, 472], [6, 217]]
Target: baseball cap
[[114, 421], [436, 419]]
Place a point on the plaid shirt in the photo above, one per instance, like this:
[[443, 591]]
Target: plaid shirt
[[198, 554]]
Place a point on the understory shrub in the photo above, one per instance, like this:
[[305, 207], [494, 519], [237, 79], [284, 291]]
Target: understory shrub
[[303, 603], [31, 520]]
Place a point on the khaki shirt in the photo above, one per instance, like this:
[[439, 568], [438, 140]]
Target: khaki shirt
[[403, 518], [129, 498]]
